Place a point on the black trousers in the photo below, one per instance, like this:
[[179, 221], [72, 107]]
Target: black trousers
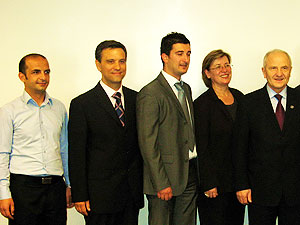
[[38, 201], [128, 216], [267, 215], [225, 209]]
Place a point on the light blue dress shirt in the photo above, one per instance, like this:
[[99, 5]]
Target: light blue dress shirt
[[33, 140]]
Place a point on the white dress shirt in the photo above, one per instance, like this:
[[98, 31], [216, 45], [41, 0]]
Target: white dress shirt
[[110, 92], [274, 100], [172, 81]]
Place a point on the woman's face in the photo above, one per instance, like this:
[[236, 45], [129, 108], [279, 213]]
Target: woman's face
[[219, 72]]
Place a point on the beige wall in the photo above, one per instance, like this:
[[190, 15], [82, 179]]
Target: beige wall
[[67, 33]]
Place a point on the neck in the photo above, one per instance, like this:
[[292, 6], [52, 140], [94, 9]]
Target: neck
[[178, 77], [221, 90], [38, 97], [114, 86]]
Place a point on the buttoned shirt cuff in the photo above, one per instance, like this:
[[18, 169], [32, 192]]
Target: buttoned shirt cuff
[[67, 181], [4, 190]]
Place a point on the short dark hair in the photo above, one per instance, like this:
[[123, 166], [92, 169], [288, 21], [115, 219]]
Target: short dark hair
[[108, 44], [172, 38], [22, 63], [208, 60]]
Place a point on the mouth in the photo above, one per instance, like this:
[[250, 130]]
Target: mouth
[[225, 76], [279, 79], [184, 65]]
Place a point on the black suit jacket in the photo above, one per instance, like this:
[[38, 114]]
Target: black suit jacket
[[214, 136], [266, 159], [104, 159]]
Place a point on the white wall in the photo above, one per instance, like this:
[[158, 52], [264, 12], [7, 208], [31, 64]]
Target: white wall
[[67, 33]]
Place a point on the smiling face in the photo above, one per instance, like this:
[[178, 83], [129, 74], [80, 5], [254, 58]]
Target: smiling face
[[178, 61], [277, 70], [219, 72], [37, 75], [112, 67]]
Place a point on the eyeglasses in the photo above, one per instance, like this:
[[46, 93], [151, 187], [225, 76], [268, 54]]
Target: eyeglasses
[[218, 68]]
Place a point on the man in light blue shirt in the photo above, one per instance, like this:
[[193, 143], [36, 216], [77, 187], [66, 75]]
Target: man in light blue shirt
[[34, 151]]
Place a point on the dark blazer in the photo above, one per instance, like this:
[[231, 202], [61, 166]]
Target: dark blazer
[[266, 159], [104, 159], [163, 134], [214, 136]]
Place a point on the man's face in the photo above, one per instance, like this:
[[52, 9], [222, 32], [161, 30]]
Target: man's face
[[277, 71], [112, 67], [177, 63], [37, 75]]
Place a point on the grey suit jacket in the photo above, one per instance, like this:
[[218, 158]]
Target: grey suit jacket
[[163, 135]]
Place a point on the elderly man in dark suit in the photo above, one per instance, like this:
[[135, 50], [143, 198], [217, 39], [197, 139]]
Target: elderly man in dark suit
[[267, 154], [105, 161], [166, 137]]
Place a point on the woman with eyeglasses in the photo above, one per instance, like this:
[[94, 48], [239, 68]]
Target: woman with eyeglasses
[[215, 111]]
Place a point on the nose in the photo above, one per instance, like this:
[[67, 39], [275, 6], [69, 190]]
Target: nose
[[223, 69], [117, 66], [186, 58], [43, 75]]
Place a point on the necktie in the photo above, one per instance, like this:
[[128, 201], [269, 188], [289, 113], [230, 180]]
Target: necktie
[[119, 108], [279, 111], [183, 103]]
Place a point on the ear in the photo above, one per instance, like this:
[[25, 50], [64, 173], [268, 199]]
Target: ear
[[264, 72], [98, 65], [207, 73], [22, 77], [164, 57]]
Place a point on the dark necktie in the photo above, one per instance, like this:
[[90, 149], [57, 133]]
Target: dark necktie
[[119, 108], [279, 111], [183, 103]]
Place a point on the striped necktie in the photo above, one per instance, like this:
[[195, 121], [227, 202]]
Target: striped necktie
[[119, 108]]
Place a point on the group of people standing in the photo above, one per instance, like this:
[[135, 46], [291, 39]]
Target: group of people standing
[[217, 154]]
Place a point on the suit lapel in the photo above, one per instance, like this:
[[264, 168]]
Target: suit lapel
[[169, 92], [290, 108], [190, 101], [129, 105], [103, 101]]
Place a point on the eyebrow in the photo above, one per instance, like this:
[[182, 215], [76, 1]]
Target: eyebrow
[[181, 51]]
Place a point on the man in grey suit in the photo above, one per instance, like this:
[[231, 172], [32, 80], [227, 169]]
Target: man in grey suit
[[166, 137]]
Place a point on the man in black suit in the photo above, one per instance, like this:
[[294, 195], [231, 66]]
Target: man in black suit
[[105, 161], [267, 154]]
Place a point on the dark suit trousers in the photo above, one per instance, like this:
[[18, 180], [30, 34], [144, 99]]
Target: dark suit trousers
[[225, 209], [266, 215], [180, 210], [37, 203], [128, 216]]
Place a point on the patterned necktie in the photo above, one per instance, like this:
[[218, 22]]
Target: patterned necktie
[[279, 111], [119, 108], [183, 103]]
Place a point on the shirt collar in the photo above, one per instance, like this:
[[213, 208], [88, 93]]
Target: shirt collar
[[26, 98], [272, 93], [170, 79], [109, 91]]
